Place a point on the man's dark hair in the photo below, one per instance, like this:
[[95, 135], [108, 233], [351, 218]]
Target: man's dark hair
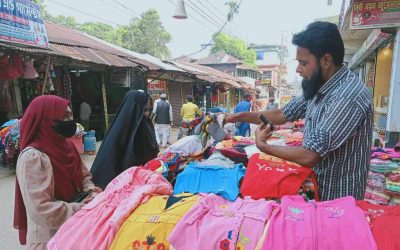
[[246, 95], [321, 38], [189, 98]]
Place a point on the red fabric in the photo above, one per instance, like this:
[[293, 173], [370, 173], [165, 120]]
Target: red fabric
[[36, 131], [153, 165], [384, 222], [271, 177], [11, 67]]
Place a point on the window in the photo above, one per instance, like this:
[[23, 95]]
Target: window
[[260, 55]]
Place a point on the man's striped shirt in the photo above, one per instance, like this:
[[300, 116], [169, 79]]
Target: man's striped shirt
[[338, 126]]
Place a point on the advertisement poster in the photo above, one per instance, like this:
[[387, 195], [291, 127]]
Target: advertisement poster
[[21, 22], [367, 14]]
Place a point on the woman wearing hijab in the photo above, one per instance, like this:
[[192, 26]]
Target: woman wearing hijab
[[50, 172], [130, 141]]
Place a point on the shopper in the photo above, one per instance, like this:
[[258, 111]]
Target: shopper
[[84, 114], [338, 111], [163, 120], [130, 140], [190, 110], [243, 128], [50, 172]]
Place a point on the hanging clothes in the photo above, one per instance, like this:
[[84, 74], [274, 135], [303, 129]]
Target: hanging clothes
[[130, 141], [30, 71]]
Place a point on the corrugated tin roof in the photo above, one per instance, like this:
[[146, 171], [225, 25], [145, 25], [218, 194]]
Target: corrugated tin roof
[[91, 55], [219, 58]]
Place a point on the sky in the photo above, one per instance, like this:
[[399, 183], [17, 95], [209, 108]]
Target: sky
[[258, 21]]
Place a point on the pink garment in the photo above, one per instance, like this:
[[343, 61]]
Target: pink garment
[[96, 224], [216, 223], [337, 224], [29, 71]]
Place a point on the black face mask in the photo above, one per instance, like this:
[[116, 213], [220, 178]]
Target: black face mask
[[310, 87], [65, 128]]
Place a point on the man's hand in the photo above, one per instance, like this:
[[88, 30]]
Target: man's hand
[[263, 132], [228, 118]]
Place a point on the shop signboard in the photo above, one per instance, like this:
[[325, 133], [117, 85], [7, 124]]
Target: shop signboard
[[21, 22], [372, 14], [156, 87], [266, 81]]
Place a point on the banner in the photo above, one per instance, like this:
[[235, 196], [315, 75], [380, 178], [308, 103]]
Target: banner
[[367, 14], [156, 87], [21, 22]]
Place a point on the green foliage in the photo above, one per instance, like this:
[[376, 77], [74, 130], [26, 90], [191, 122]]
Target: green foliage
[[144, 35], [235, 47], [147, 35]]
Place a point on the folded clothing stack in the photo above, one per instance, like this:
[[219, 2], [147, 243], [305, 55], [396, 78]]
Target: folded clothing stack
[[375, 192], [383, 166]]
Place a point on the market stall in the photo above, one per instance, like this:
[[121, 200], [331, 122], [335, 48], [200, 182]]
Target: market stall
[[223, 193]]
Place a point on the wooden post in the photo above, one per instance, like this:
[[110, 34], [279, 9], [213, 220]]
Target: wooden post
[[103, 90], [46, 74]]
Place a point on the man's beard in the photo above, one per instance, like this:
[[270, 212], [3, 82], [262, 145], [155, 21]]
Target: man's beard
[[310, 87]]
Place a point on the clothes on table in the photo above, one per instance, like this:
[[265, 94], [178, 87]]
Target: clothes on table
[[217, 159], [215, 223], [336, 224], [383, 166], [384, 221], [152, 222], [271, 177], [187, 146], [220, 180], [104, 215]]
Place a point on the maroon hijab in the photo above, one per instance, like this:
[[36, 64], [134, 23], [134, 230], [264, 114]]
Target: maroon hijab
[[36, 131]]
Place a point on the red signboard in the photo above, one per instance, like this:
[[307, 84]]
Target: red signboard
[[371, 14]]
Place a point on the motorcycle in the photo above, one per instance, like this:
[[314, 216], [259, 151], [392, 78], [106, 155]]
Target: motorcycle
[[187, 128]]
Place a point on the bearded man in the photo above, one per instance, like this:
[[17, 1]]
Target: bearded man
[[338, 112]]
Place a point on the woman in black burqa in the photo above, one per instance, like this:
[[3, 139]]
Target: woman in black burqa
[[130, 141]]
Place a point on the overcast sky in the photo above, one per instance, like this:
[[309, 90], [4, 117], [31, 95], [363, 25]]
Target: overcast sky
[[258, 21]]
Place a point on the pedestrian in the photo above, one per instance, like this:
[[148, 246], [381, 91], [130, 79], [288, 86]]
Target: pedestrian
[[243, 128], [50, 172], [6, 105], [130, 140], [189, 110], [84, 114], [337, 108], [162, 111], [271, 104]]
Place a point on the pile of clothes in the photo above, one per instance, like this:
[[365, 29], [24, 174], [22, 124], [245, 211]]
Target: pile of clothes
[[195, 197], [383, 184], [9, 143]]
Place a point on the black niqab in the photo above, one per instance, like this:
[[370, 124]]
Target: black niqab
[[130, 141]]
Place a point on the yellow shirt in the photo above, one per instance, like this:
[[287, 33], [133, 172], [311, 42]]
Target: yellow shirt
[[149, 226], [189, 111]]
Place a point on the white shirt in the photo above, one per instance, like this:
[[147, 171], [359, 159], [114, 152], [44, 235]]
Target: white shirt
[[85, 111], [170, 109]]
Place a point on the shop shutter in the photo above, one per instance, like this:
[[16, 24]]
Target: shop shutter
[[175, 98], [187, 89]]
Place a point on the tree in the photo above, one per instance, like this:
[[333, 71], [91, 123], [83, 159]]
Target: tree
[[235, 47], [147, 35]]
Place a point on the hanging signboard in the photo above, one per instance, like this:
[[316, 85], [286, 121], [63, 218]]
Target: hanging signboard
[[120, 77], [21, 22], [367, 14], [156, 87]]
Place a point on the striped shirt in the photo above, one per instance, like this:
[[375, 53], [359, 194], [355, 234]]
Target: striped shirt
[[338, 126]]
